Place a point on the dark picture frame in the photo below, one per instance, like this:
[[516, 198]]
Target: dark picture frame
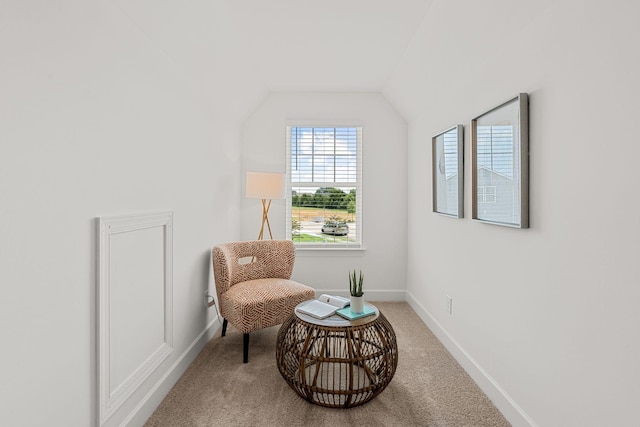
[[500, 164], [447, 166]]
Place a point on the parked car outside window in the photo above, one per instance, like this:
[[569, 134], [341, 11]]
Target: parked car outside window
[[336, 228]]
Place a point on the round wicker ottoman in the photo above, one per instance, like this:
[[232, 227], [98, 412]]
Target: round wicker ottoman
[[334, 362]]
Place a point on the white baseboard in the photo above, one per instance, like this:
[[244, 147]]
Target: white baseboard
[[505, 404], [154, 397]]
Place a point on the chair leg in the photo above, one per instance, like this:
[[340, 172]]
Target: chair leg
[[245, 348], [224, 327]]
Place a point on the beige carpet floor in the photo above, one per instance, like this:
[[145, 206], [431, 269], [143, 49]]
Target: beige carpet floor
[[429, 387]]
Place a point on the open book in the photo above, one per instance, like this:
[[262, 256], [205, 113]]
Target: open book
[[324, 306], [335, 300]]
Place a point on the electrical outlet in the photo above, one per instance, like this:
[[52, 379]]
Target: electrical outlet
[[449, 304]]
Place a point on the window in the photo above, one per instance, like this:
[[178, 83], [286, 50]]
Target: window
[[487, 194], [324, 186]]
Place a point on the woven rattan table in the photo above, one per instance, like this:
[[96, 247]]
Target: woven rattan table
[[335, 362]]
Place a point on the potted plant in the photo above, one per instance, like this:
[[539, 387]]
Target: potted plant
[[355, 288]]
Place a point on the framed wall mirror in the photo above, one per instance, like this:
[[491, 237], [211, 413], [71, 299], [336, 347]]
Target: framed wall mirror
[[447, 165], [500, 167]]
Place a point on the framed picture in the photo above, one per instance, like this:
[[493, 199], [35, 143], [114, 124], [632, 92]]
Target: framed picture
[[447, 161], [500, 168]]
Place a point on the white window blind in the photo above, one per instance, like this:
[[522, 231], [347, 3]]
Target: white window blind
[[324, 186]]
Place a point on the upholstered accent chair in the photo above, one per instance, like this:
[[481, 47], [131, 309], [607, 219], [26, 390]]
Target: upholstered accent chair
[[254, 286]]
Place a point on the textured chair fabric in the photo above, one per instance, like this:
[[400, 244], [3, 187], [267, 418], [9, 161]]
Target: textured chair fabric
[[254, 286]]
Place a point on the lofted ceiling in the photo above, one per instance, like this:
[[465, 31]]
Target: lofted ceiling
[[329, 45], [281, 45]]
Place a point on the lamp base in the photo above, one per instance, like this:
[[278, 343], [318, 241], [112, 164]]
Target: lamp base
[[266, 205]]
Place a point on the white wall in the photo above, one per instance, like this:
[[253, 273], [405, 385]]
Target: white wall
[[97, 119], [384, 187], [105, 112], [545, 319]]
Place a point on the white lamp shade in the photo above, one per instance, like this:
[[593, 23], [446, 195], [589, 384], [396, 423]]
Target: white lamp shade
[[265, 185]]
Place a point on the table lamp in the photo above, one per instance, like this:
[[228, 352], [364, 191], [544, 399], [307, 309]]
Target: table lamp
[[265, 186]]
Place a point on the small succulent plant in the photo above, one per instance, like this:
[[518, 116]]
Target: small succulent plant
[[355, 283]]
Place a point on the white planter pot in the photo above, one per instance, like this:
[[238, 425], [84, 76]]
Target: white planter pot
[[357, 304]]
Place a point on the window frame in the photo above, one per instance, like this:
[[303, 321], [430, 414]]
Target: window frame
[[357, 185]]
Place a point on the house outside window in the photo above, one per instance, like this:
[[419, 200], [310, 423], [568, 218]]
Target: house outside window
[[324, 186]]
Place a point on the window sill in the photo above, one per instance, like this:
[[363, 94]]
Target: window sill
[[312, 251]]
